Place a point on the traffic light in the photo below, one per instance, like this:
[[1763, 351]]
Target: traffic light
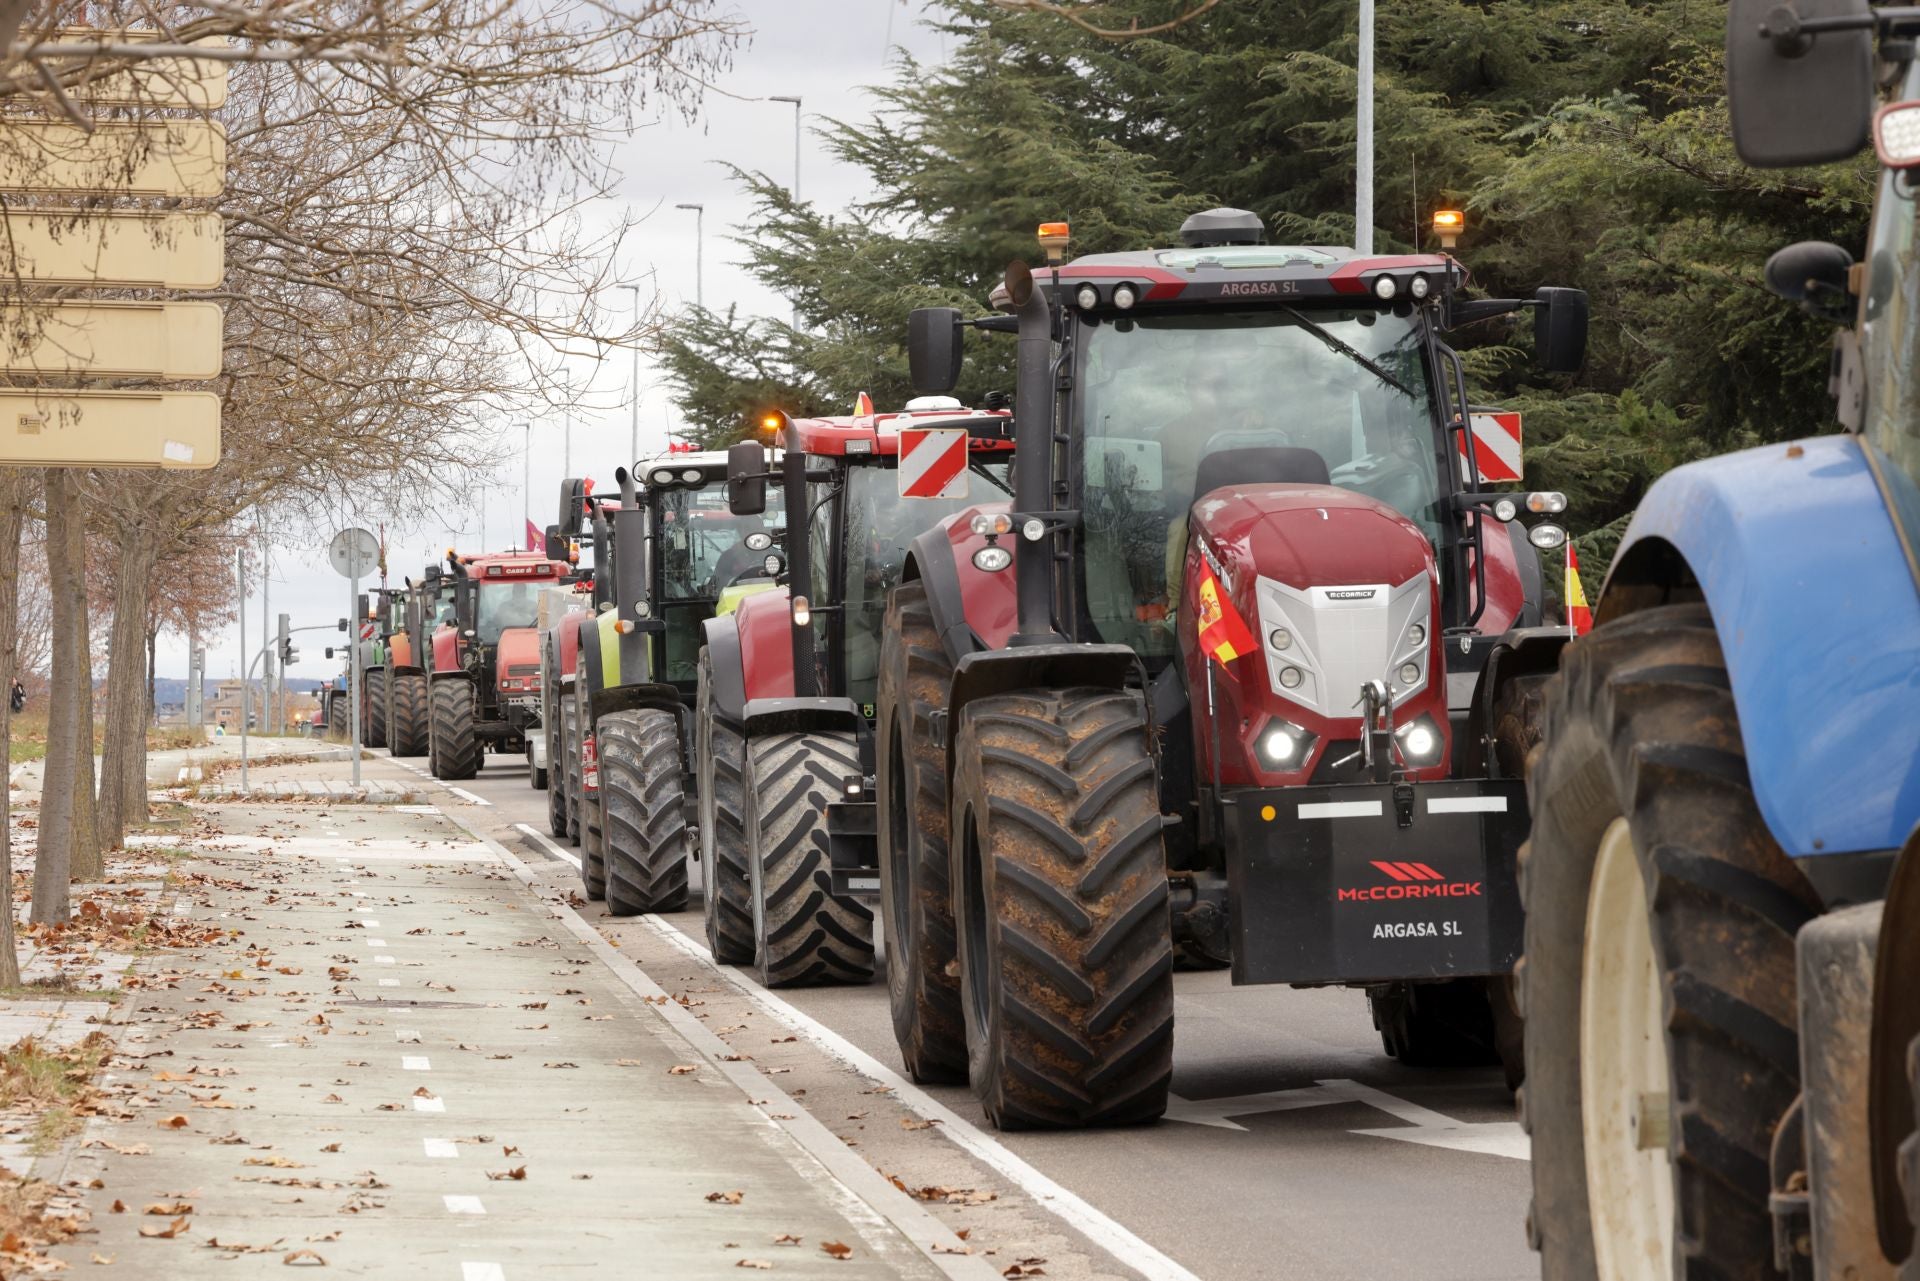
[[287, 653]]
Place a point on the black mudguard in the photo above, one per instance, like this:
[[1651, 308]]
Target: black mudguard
[[986, 672], [931, 561], [1524, 651], [802, 716], [728, 666]]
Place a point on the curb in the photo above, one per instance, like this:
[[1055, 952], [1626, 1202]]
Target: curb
[[928, 1234]]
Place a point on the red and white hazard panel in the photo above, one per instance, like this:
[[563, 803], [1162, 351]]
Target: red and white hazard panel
[[1496, 447], [933, 462]]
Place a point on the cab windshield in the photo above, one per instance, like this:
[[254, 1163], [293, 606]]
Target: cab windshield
[[702, 544], [1159, 394], [880, 524], [504, 606], [1890, 338]]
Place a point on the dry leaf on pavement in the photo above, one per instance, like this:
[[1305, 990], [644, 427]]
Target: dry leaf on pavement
[[681, 1069], [758, 1265], [726, 1198], [838, 1249], [174, 1122], [166, 1231], [304, 1258], [168, 1209]]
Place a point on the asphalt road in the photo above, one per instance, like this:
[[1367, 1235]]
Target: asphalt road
[[1295, 1147]]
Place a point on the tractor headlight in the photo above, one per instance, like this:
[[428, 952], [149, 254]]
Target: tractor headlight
[[1280, 638], [691, 476], [996, 524], [1283, 746], [642, 610], [1290, 677], [1416, 635], [772, 565], [758, 541], [1546, 502], [1419, 742], [1087, 297], [663, 478], [1385, 288], [1034, 529], [1124, 296], [1547, 537], [1409, 674], [1504, 510], [992, 560], [1419, 287]]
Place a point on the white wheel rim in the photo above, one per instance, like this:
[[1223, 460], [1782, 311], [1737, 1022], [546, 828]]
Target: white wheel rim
[[1624, 1081]]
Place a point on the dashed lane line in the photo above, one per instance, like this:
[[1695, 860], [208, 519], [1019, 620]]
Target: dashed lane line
[[415, 1063], [1096, 1226], [441, 1149], [482, 1272], [463, 1204], [428, 1103]]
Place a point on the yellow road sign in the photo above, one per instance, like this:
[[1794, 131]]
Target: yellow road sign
[[180, 157], [112, 340], [175, 430], [118, 249], [157, 82]]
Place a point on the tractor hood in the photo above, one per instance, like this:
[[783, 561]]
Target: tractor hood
[[516, 663], [1335, 590]]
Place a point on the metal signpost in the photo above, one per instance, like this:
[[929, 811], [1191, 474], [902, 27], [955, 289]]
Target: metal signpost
[[354, 552]]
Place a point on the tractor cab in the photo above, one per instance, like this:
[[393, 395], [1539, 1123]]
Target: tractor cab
[[485, 670]]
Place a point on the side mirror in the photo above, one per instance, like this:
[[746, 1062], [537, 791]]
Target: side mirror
[[1813, 274], [1560, 329], [746, 478], [556, 546], [934, 349], [1796, 97]]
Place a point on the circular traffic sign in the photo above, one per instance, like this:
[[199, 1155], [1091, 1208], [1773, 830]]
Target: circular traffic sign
[[355, 553]]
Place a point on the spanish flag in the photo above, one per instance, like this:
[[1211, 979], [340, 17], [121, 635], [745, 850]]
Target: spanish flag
[[1223, 633], [1579, 617]]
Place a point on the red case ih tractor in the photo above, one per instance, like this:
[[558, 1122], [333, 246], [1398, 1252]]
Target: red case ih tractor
[[785, 764], [1241, 675], [484, 682]]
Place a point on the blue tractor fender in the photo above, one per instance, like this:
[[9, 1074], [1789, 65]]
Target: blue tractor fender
[[1808, 581]]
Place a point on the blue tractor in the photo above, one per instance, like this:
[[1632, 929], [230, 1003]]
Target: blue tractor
[[1721, 979]]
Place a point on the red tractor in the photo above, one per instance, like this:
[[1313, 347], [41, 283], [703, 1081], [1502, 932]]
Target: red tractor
[[1241, 675], [783, 719], [484, 677]]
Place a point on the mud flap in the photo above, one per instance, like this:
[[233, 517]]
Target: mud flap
[[1375, 882]]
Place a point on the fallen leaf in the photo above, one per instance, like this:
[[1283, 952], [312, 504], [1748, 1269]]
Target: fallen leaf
[[118, 1207], [726, 1198], [838, 1249], [304, 1258], [166, 1210], [331, 1147], [423, 1093], [758, 1265], [165, 1232], [786, 1238], [915, 1123], [560, 1065], [174, 1122], [104, 1259], [277, 1162], [681, 1069], [518, 1174], [509, 1150]]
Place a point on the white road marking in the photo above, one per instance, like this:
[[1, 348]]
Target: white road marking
[[442, 1149], [546, 844], [482, 1272], [359, 893], [1214, 1112], [469, 797], [1434, 1130], [416, 809], [376, 942], [1096, 1226], [427, 1103], [415, 1063], [383, 960], [463, 1204], [389, 982]]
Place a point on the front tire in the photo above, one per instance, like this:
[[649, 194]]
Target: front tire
[[803, 934], [1066, 944], [455, 750], [410, 730], [644, 812], [720, 759], [923, 987], [1659, 978]]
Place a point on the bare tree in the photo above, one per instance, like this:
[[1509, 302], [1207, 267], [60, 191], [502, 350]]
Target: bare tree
[[14, 490]]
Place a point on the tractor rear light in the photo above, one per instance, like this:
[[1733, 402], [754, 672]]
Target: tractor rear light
[[1547, 537], [994, 525], [802, 612], [991, 560], [1385, 287], [1546, 503], [1087, 297], [1896, 135], [1124, 296]]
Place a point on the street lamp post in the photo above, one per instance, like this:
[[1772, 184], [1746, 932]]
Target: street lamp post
[[633, 448], [1363, 140], [795, 100], [699, 241], [526, 477]]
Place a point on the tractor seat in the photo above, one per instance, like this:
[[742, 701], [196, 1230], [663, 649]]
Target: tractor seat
[[1272, 465]]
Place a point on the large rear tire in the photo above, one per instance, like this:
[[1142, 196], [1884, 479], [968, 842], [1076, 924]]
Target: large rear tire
[[410, 731], [557, 763], [455, 750], [373, 726], [803, 934], [923, 987], [720, 761], [644, 812], [1659, 971], [1066, 942]]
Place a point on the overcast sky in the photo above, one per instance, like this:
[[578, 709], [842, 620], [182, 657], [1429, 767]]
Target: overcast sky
[[824, 51]]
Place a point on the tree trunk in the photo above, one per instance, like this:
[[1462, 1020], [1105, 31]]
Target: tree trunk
[[123, 755], [53, 852], [13, 507], [89, 863]]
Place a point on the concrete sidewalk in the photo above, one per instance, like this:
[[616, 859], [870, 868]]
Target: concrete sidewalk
[[401, 1061]]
